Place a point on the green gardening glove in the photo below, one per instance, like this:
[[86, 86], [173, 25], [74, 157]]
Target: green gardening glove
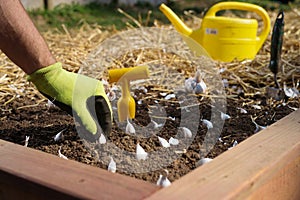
[[82, 96]]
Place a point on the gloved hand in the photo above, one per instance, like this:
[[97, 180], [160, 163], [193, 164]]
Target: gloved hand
[[78, 94]]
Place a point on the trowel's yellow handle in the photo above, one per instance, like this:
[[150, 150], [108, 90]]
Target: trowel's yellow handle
[[126, 103], [245, 7]]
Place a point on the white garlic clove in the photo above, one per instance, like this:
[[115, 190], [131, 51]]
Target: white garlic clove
[[61, 155], [26, 140], [220, 139], [102, 139], [208, 123], [257, 126], [170, 96], [173, 141], [163, 142], [156, 125], [163, 94], [256, 107], [163, 181], [112, 166], [187, 132], [59, 135], [141, 154], [293, 108], [203, 161], [140, 102], [50, 104], [224, 116], [290, 92], [172, 118], [242, 110], [233, 145], [129, 128]]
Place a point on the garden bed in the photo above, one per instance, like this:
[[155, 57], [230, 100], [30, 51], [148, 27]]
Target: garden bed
[[24, 112], [42, 123]]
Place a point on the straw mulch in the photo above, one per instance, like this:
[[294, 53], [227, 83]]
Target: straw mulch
[[72, 49]]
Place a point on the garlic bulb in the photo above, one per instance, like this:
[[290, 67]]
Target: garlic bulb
[[196, 84]]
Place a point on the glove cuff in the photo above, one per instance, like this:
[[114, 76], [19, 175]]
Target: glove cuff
[[41, 74]]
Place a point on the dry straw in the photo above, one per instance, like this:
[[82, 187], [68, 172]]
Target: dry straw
[[72, 48]]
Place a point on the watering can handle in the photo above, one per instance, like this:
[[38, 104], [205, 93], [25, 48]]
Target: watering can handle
[[246, 7]]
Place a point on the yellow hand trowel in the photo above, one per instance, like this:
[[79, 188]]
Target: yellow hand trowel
[[226, 38], [123, 76]]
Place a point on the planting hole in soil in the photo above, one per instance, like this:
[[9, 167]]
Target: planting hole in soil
[[196, 126]]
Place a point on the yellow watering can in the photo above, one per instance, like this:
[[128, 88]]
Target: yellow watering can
[[226, 38]]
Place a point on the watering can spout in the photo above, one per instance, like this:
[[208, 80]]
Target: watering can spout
[[174, 19]]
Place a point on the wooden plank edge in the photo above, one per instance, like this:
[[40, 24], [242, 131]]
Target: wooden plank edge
[[26, 173], [264, 166]]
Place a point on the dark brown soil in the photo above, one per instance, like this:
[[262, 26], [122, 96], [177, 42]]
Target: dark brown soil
[[42, 123]]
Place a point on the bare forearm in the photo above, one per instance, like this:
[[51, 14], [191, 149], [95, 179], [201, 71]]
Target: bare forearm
[[20, 40]]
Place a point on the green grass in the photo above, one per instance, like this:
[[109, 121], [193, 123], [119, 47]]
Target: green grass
[[109, 16], [104, 15]]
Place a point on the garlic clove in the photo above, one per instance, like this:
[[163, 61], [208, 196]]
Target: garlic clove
[[102, 139], [203, 161], [59, 135], [50, 104], [173, 141], [187, 132], [257, 126], [26, 140], [233, 145], [141, 154], [129, 128], [112, 166], [208, 123], [163, 181], [242, 110], [61, 155], [163, 142], [156, 125], [170, 96], [224, 116]]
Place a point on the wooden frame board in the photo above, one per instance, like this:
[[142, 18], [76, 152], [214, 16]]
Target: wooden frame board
[[264, 166]]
